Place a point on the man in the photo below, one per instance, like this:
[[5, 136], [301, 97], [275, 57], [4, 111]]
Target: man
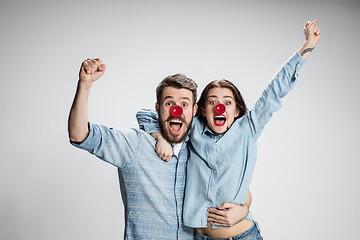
[[152, 190]]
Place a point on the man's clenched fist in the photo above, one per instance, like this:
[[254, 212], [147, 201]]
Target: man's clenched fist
[[91, 70]]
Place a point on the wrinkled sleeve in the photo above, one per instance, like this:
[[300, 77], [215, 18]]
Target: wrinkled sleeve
[[148, 120], [110, 145], [270, 100]]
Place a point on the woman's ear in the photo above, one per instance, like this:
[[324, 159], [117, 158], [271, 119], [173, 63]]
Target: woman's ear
[[203, 112], [237, 112]]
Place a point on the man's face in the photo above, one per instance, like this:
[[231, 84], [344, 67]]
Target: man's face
[[174, 130]]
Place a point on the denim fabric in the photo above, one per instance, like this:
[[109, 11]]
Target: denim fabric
[[252, 234], [220, 167], [152, 190]]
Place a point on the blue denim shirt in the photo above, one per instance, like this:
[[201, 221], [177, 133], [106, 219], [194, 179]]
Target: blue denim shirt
[[220, 167], [152, 190]]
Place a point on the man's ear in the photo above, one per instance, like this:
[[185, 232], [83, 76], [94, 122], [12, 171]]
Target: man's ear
[[195, 109], [157, 107]]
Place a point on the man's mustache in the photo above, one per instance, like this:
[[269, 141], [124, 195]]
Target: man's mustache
[[171, 118]]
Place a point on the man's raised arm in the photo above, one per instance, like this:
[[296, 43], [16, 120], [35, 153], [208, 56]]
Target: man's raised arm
[[90, 71]]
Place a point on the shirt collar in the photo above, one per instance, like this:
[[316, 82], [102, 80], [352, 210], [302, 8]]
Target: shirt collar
[[187, 137], [211, 133]]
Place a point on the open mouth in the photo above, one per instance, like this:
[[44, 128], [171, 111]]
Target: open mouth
[[175, 126], [219, 120]]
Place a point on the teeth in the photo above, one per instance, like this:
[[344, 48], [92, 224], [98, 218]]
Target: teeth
[[220, 117], [175, 121]]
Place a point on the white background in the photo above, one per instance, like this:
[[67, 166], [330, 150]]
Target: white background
[[306, 182]]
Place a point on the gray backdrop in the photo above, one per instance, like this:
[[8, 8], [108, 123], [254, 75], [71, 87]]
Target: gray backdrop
[[306, 183]]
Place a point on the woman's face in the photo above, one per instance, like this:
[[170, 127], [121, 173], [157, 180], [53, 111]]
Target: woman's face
[[220, 123]]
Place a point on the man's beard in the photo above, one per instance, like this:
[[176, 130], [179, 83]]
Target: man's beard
[[165, 131]]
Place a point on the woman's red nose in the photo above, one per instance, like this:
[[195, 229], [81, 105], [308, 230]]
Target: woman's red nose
[[176, 111], [220, 108]]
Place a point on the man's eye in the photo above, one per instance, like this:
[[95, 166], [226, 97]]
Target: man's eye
[[184, 105], [168, 104]]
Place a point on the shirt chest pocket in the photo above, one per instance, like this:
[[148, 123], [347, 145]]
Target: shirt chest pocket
[[230, 154]]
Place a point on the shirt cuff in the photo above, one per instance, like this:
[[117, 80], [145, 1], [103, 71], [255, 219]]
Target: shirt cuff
[[296, 61], [151, 127]]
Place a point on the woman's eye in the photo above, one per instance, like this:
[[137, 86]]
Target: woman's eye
[[227, 103], [212, 102]]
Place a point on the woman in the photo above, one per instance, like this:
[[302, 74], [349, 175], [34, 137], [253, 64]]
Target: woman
[[223, 146]]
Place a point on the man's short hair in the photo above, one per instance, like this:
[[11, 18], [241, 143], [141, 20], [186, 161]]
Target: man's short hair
[[176, 81]]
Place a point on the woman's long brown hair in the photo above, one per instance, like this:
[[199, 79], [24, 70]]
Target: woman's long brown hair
[[240, 103]]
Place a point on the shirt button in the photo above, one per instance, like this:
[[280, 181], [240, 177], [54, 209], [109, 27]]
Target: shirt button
[[212, 188], [210, 156], [214, 171]]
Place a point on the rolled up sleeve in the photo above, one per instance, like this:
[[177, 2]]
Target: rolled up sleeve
[[148, 120], [111, 145]]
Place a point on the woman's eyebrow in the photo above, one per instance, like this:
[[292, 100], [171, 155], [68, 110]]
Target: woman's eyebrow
[[228, 97], [214, 96]]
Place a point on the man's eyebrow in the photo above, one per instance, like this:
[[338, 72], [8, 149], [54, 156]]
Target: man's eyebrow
[[170, 97]]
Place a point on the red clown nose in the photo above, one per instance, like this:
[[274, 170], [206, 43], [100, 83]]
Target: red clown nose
[[220, 108], [176, 111]]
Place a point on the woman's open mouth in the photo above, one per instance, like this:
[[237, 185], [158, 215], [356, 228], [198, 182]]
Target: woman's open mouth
[[219, 120], [175, 126]]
